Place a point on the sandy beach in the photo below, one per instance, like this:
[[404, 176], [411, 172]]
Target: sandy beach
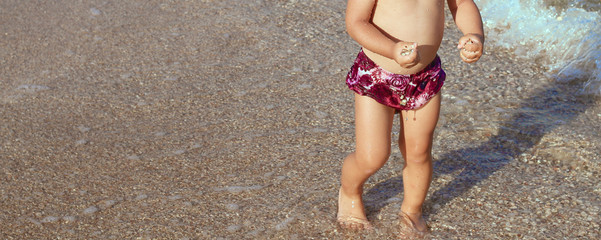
[[150, 119]]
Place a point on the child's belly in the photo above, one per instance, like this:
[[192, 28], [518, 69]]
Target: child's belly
[[420, 21]]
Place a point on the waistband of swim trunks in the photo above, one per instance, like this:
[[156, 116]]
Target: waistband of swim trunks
[[436, 63]]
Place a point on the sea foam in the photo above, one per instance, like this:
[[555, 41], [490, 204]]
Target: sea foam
[[567, 39]]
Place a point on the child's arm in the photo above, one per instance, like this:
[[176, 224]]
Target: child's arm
[[468, 20], [362, 30]]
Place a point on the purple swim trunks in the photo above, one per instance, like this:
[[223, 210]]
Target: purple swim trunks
[[401, 92]]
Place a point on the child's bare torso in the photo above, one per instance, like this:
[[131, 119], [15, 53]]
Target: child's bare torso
[[419, 21]]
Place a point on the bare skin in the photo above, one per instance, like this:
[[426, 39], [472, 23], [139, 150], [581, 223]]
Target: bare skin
[[401, 36]]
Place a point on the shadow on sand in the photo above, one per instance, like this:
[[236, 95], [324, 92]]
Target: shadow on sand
[[534, 118]]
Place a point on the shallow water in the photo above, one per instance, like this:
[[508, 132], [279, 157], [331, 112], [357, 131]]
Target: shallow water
[[564, 35], [193, 138]]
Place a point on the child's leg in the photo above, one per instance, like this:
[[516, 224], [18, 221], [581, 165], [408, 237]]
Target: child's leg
[[373, 124], [415, 143]]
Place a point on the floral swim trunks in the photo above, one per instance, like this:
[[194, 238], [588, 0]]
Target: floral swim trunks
[[401, 92]]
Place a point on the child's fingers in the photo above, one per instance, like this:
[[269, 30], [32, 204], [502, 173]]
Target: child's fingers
[[471, 47], [468, 40], [465, 58], [412, 56], [407, 54], [462, 42], [470, 57], [409, 49]]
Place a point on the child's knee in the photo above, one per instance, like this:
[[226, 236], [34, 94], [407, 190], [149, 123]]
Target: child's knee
[[417, 150], [371, 162], [419, 156]]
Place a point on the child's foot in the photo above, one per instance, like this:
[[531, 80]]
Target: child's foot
[[350, 213], [413, 225]]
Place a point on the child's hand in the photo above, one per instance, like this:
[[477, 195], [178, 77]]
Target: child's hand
[[406, 54], [471, 48]]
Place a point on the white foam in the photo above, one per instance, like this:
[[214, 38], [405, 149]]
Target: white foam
[[568, 41]]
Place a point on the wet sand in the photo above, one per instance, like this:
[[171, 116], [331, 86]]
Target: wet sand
[[230, 119]]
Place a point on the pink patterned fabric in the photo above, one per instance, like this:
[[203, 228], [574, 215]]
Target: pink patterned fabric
[[402, 92]]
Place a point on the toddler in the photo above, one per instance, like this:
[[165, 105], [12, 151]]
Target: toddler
[[398, 70]]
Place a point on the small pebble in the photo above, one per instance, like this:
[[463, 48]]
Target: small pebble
[[305, 86], [83, 129], [90, 210], [175, 197], [232, 207], [107, 204], [141, 197], [95, 11], [233, 228], [50, 219], [69, 219]]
